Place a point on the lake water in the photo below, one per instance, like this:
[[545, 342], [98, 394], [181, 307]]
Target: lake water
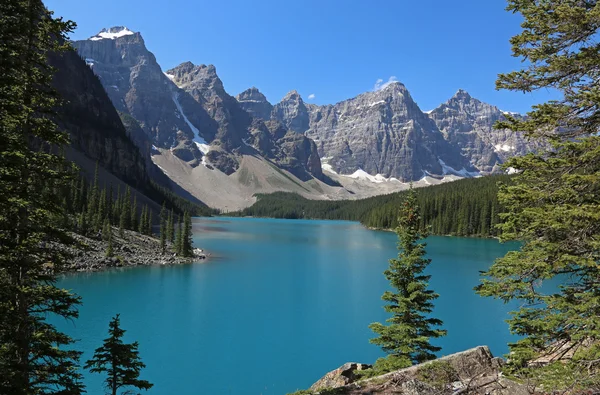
[[279, 304]]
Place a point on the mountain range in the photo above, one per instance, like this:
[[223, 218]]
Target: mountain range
[[223, 149]]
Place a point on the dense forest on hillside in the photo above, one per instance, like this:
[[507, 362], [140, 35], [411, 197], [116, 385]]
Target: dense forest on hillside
[[466, 207]]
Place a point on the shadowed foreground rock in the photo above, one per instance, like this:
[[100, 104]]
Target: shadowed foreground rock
[[474, 371]]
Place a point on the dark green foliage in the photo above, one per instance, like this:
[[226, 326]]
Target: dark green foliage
[[179, 236], [119, 361], [462, 208], [553, 207], [126, 209], [170, 228], [149, 223], [407, 337], [163, 229], [143, 220], [134, 215], [106, 229], [186, 248], [35, 358]]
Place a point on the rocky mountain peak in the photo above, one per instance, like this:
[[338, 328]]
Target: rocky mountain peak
[[113, 33], [462, 94], [292, 95], [252, 94], [202, 79], [254, 102], [292, 112]]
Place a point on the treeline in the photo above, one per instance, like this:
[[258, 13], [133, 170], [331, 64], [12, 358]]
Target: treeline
[[92, 210], [466, 207]]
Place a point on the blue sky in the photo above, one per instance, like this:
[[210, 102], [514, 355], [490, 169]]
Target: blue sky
[[331, 49]]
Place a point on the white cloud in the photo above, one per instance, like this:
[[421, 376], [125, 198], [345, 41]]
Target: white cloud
[[311, 96], [379, 84]]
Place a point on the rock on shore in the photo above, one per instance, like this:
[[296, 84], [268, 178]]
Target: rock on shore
[[133, 249], [474, 371]]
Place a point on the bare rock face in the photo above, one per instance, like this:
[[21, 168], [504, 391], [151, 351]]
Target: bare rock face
[[292, 113], [93, 123], [468, 124], [255, 103], [137, 86], [382, 132]]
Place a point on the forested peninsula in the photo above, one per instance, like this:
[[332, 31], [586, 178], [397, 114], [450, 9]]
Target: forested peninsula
[[466, 207]]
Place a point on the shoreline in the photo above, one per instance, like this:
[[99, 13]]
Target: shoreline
[[132, 250]]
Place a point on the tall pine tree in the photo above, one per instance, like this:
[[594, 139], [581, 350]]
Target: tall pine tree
[[553, 207], [163, 229], [35, 358], [407, 337], [120, 361]]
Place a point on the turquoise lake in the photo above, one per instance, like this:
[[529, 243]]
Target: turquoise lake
[[278, 304]]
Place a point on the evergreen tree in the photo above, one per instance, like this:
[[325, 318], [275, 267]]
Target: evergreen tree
[[143, 219], [120, 361], [109, 247], [116, 215], [179, 236], [134, 215], [126, 210], [553, 207], [122, 222], [407, 337], [170, 228], [93, 200], [163, 229], [186, 238], [35, 358], [105, 229], [149, 222]]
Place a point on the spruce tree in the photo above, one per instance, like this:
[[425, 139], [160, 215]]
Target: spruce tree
[[170, 228], [126, 209], [92, 201], [179, 236], [149, 222], [122, 222], [134, 216], [553, 207], [163, 229], [186, 238], [143, 219], [118, 360], [116, 214], [35, 358], [105, 229], [407, 337], [109, 247]]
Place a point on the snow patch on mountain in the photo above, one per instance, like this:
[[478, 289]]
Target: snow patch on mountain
[[503, 147], [461, 173], [198, 139], [112, 34]]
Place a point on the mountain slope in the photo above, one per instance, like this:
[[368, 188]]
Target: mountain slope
[[382, 132], [468, 123]]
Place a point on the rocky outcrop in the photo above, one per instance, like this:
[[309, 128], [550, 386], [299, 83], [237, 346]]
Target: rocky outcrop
[[474, 371], [468, 124], [133, 249], [340, 377], [255, 103]]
